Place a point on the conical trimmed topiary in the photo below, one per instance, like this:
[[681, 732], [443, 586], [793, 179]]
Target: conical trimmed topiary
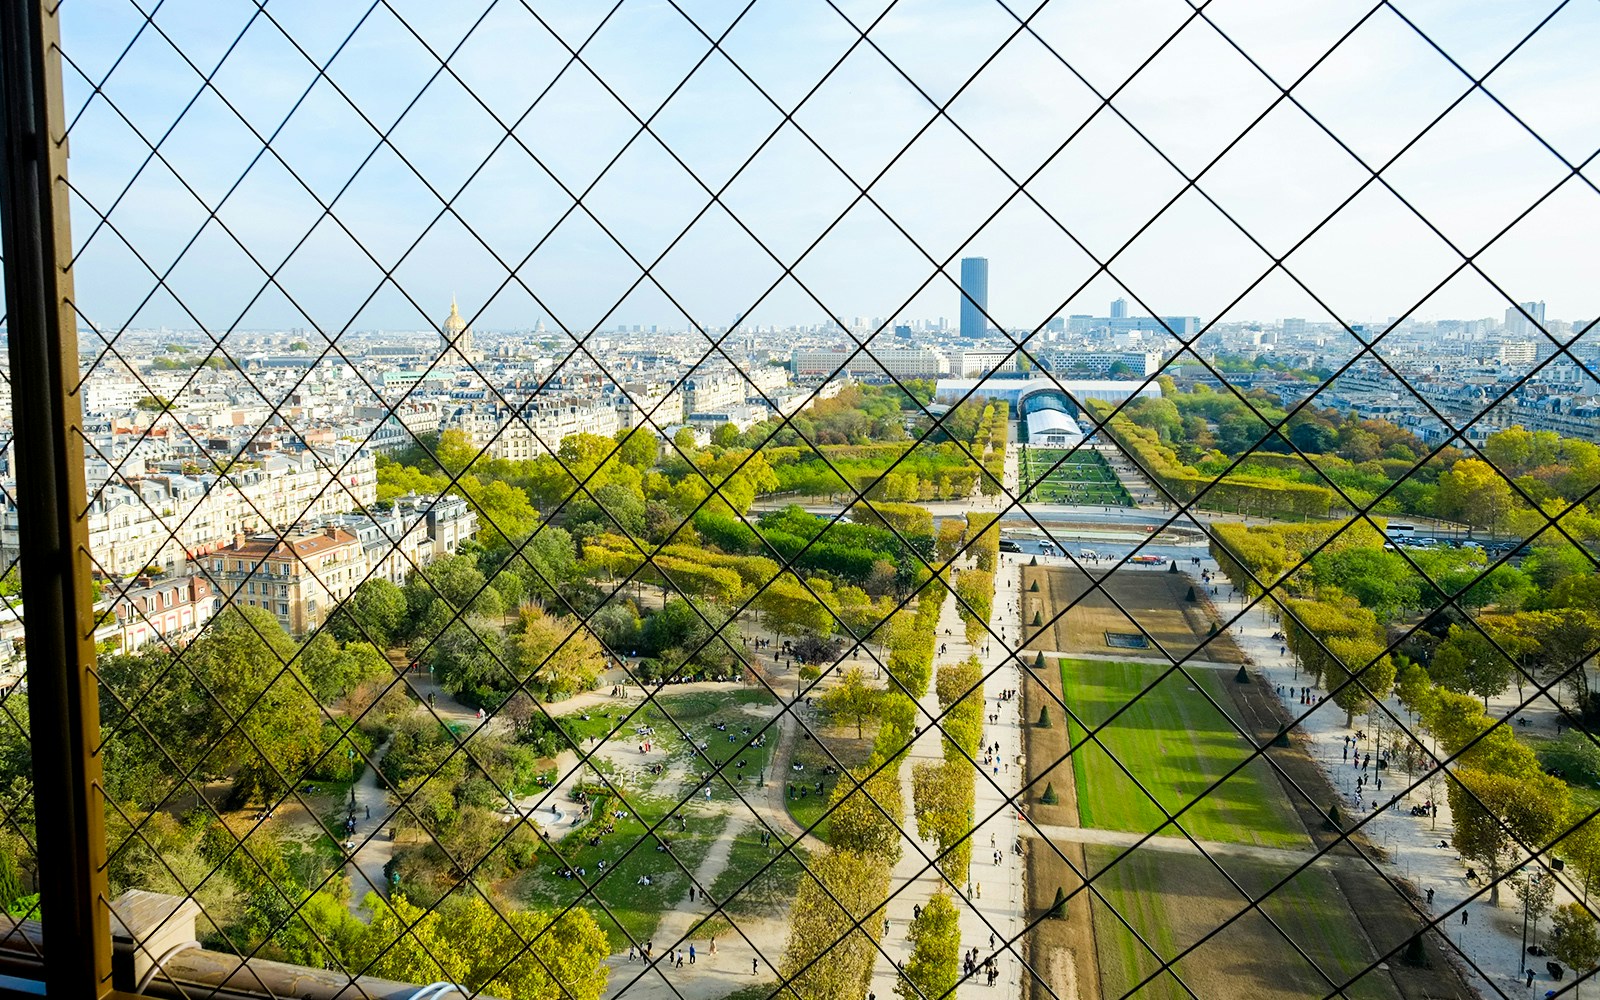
[[1034, 561], [1044, 716], [1242, 677], [1190, 596], [1058, 909], [1334, 819], [1038, 619], [1033, 588], [1174, 567], [1050, 797], [1415, 954], [1038, 661]]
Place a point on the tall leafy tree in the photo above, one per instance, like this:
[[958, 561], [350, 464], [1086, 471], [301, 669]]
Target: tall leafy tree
[[375, 613], [1468, 662], [1499, 814], [487, 950], [934, 968], [1574, 938], [853, 699], [834, 927], [256, 709], [554, 656], [1475, 492]]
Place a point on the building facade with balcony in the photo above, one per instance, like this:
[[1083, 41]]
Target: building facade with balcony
[[299, 578]]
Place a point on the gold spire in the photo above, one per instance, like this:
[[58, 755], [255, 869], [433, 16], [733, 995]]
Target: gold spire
[[454, 324]]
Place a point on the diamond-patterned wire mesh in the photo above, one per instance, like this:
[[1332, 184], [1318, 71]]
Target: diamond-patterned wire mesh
[[20, 862], [436, 662]]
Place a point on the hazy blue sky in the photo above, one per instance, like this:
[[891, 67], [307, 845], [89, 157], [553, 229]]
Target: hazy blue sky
[[1472, 175]]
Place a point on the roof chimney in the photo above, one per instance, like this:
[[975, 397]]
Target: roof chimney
[[238, 539]]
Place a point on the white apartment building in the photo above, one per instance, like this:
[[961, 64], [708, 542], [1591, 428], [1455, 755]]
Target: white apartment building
[[1517, 352], [535, 428], [1098, 364], [741, 415], [713, 391], [983, 361], [414, 532], [400, 429], [653, 404], [768, 380], [161, 520], [900, 362]]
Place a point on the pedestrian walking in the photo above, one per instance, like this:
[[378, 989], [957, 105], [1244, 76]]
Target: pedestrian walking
[[1463, 918], [691, 954]]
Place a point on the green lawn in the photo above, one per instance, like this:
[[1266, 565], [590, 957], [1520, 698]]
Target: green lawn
[[771, 891], [1172, 900], [699, 714], [1081, 477], [806, 804], [633, 906], [1176, 744]]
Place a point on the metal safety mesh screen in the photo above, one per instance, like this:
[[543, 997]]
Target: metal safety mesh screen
[[573, 519]]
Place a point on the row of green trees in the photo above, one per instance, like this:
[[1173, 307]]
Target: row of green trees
[[990, 445], [977, 535], [934, 968], [1514, 482], [857, 443], [1503, 795], [912, 638], [944, 792], [825, 958], [975, 588], [1248, 494], [1342, 647], [1536, 620]]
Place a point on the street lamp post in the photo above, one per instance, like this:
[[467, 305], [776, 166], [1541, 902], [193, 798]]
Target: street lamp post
[[1522, 956]]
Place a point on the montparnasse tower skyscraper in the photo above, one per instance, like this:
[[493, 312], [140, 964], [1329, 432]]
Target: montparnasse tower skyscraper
[[457, 337]]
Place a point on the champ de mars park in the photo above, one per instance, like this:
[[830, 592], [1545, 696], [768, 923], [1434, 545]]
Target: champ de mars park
[[1007, 726]]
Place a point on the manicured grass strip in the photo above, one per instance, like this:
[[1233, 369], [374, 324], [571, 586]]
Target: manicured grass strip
[[1084, 477], [1174, 899], [1176, 744]]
